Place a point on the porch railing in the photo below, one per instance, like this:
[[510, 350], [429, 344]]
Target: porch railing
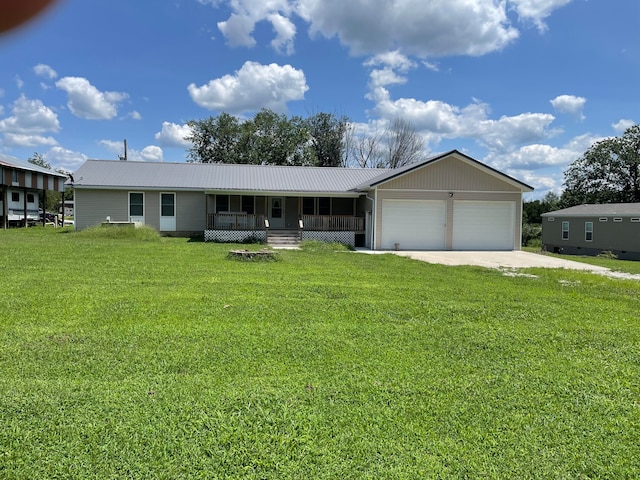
[[333, 223], [323, 223], [234, 221]]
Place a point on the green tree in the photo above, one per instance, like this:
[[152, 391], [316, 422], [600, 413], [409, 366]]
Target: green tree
[[327, 133], [608, 172], [273, 139], [215, 139], [38, 159]]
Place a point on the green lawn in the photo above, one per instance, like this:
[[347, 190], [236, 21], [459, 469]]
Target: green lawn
[[614, 264], [161, 358]]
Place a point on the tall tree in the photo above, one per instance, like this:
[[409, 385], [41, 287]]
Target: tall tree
[[215, 139], [327, 134], [273, 139], [404, 145], [608, 172], [38, 159]]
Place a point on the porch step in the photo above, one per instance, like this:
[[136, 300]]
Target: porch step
[[283, 238]]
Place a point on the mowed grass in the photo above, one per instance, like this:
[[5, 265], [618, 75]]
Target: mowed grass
[[161, 358]]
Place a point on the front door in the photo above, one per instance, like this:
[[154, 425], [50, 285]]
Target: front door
[[276, 212], [167, 212]]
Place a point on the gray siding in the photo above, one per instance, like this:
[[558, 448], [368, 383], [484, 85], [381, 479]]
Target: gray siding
[[622, 238], [93, 206]]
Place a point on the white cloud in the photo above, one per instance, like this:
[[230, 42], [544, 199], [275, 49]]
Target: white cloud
[[24, 141], [622, 125], [173, 135], [151, 153], [437, 120], [19, 82], [29, 117], [537, 10], [253, 87], [238, 29], [86, 101], [68, 160], [570, 105], [45, 71], [285, 33], [135, 115]]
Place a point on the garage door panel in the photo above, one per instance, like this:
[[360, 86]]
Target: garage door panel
[[413, 224], [483, 225]]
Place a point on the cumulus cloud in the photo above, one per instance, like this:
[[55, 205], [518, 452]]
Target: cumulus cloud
[[68, 160], [622, 125], [29, 121], [150, 153], [285, 33], [173, 135], [437, 120], [537, 10], [253, 87], [570, 105], [45, 71], [135, 115], [86, 101]]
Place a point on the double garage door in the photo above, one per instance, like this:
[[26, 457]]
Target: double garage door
[[422, 225]]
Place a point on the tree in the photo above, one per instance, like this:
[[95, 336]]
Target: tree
[[404, 145], [38, 159], [274, 139], [327, 134], [215, 139], [608, 172]]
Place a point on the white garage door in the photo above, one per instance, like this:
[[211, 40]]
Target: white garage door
[[483, 225], [413, 224]]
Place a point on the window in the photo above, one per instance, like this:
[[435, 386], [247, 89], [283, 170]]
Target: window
[[247, 205], [30, 198], [15, 196], [167, 205], [635, 220], [565, 230], [308, 206], [14, 177], [618, 220], [324, 206], [136, 204], [551, 219], [222, 203], [588, 231]]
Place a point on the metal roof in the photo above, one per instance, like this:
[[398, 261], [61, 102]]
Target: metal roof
[[7, 161], [221, 177], [590, 210]]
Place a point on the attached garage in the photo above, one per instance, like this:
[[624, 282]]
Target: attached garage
[[448, 202], [414, 224], [483, 225]]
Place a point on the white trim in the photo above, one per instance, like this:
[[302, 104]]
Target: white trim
[[617, 219], [603, 219], [168, 225]]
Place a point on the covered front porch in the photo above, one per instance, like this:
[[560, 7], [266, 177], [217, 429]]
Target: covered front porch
[[239, 218]]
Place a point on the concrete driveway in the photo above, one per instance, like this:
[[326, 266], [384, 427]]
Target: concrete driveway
[[504, 260], [513, 259]]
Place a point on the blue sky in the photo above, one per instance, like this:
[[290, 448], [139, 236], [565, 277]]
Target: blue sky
[[525, 86]]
